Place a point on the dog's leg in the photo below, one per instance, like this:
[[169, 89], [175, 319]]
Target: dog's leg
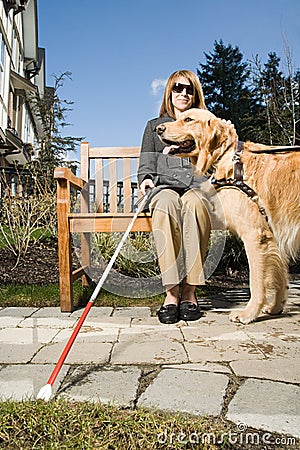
[[265, 263], [257, 277], [277, 285], [268, 275]]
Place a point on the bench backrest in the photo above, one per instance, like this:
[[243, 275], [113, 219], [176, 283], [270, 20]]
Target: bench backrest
[[111, 176]]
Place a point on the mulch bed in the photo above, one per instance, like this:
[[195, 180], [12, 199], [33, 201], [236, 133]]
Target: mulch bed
[[40, 266]]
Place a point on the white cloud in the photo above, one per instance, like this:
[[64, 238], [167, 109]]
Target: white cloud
[[157, 86]]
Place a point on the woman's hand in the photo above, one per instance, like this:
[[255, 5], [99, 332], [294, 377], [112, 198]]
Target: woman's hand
[[147, 183]]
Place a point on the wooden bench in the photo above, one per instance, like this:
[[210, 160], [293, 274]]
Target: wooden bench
[[111, 173]]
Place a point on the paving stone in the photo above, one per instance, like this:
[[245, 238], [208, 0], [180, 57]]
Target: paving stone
[[108, 322], [201, 352], [23, 382], [18, 353], [234, 350], [188, 391], [153, 322], [27, 335], [149, 352], [8, 322], [48, 322], [15, 311], [150, 334], [221, 351], [227, 336], [272, 327], [95, 311], [289, 332], [212, 318], [268, 405], [203, 367], [81, 353], [272, 348], [89, 333], [137, 311], [214, 332], [117, 386], [279, 369], [51, 312]]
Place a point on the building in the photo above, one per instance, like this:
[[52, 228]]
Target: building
[[22, 81]]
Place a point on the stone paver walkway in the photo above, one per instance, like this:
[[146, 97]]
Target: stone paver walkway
[[249, 374]]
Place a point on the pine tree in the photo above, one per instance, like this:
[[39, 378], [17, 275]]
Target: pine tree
[[225, 79]]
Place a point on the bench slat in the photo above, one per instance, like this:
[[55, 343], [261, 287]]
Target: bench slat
[[127, 193], [108, 223], [114, 152], [113, 187], [99, 192]]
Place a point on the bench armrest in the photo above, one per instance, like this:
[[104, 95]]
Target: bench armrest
[[64, 173]]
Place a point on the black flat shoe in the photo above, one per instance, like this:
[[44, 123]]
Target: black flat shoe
[[189, 311], [168, 313]]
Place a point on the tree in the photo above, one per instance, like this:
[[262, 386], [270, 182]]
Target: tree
[[278, 96], [224, 78], [53, 145], [29, 218], [261, 101], [296, 89]]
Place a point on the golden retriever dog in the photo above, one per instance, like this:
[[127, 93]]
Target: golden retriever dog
[[267, 220]]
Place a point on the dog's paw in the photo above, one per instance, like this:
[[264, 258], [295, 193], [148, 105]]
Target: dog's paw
[[241, 316], [272, 310]]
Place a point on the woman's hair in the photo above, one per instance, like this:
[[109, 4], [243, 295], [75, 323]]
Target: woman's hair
[[167, 107]]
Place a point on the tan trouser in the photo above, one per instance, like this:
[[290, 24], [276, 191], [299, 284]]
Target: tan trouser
[[181, 229]]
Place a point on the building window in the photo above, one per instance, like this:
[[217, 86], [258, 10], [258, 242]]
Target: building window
[[2, 58], [20, 63], [27, 128]]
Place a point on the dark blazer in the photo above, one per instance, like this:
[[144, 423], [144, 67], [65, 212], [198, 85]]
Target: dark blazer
[[172, 172]]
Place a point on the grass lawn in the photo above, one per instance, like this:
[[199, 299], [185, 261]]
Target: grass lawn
[[48, 295], [63, 425]]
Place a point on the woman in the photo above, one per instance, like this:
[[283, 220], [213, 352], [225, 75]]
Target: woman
[[180, 221]]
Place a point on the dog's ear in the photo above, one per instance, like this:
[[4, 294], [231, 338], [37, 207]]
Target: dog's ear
[[218, 134]]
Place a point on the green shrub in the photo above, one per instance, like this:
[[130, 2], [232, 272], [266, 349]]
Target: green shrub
[[137, 257]]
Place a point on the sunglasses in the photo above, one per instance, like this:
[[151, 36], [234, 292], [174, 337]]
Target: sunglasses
[[179, 88]]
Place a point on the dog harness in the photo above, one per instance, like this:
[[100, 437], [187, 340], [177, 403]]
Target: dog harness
[[238, 173]]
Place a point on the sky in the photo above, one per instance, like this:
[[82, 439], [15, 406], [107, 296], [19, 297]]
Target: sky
[[120, 53]]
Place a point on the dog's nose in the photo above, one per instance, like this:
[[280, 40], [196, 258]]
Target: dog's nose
[[160, 129]]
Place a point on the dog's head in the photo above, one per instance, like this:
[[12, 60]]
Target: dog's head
[[199, 135]]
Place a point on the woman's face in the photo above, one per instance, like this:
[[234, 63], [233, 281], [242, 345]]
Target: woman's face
[[182, 100]]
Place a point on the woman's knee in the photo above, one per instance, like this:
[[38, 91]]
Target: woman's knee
[[194, 200], [166, 200]]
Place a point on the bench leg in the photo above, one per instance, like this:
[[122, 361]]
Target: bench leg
[[86, 258], [65, 276], [64, 246]]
